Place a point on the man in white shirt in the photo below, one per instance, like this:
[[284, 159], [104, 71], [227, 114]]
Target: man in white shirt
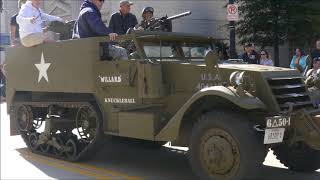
[[31, 21]]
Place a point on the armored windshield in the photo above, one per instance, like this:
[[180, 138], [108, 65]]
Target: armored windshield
[[182, 49]]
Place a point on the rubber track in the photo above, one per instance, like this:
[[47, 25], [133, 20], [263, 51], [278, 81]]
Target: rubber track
[[88, 151]]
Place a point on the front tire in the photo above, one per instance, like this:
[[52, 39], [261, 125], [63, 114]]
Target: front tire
[[298, 157], [223, 145]]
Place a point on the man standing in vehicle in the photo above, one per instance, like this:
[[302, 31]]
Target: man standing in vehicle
[[147, 18], [123, 20], [90, 24], [14, 26], [31, 23]]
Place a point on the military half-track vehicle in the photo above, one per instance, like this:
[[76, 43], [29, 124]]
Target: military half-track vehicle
[[64, 98]]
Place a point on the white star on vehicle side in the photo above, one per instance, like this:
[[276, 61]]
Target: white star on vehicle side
[[43, 67]]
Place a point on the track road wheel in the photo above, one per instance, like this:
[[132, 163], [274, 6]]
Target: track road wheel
[[45, 148], [72, 151], [89, 124], [56, 151], [223, 145], [86, 123], [298, 157], [33, 141]]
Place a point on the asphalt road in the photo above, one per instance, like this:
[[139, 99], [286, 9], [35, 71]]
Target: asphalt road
[[116, 160]]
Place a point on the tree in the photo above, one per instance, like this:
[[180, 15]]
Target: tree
[[304, 26], [274, 22]]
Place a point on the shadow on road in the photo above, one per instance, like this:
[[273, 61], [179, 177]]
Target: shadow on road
[[164, 163]]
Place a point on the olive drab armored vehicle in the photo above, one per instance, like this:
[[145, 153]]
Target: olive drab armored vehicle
[[64, 98]]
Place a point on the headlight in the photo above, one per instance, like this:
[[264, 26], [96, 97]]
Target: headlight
[[242, 82], [236, 78]]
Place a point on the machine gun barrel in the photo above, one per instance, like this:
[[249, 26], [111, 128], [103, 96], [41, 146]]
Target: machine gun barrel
[[188, 13], [165, 23]]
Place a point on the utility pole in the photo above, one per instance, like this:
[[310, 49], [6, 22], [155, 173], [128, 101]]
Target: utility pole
[[232, 37]]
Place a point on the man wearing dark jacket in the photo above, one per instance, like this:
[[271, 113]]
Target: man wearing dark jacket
[[121, 21], [89, 24], [250, 55]]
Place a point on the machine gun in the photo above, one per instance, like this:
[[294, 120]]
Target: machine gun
[[165, 23]]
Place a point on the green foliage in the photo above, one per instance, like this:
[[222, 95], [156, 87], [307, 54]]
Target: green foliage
[[273, 22]]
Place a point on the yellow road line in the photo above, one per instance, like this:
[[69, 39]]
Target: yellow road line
[[81, 168], [101, 170], [70, 169]]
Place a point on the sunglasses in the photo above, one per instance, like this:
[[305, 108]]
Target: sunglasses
[[101, 0], [262, 54]]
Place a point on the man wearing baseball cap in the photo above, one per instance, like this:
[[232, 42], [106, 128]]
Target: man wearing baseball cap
[[121, 21]]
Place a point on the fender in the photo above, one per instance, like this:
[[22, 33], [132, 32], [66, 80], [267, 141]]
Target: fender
[[171, 130]]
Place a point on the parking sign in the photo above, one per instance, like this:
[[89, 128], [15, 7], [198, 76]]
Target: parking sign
[[233, 13]]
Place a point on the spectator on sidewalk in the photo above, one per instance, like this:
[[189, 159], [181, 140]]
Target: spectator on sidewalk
[[250, 55], [299, 61], [265, 59]]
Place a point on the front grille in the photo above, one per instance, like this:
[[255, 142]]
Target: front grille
[[290, 90]]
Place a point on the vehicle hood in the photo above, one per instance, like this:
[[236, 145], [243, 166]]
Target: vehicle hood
[[269, 71]]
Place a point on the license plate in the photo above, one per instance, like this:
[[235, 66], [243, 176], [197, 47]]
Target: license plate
[[278, 121], [275, 135]]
